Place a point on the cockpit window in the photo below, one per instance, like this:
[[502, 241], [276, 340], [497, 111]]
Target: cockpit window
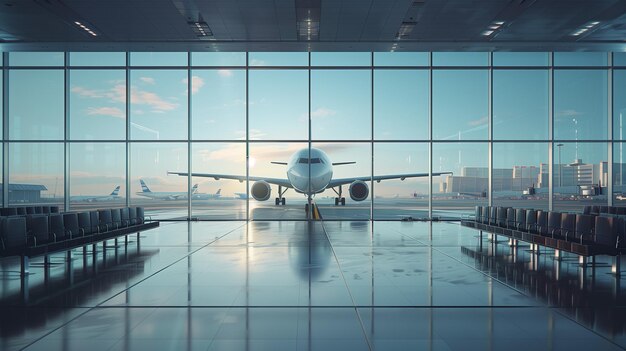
[[313, 160]]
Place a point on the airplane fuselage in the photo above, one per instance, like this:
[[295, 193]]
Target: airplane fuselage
[[317, 163]]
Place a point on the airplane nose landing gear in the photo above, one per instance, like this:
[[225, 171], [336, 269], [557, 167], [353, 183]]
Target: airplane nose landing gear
[[280, 200]]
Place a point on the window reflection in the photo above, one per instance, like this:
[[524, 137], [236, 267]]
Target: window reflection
[[97, 175], [164, 196], [218, 104], [520, 175], [158, 104], [520, 104], [396, 199], [36, 174], [580, 105], [42, 120], [341, 104], [97, 104], [279, 103], [460, 104], [219, 198], [401, 100], [580, 175], [455, 195], [619, 104]]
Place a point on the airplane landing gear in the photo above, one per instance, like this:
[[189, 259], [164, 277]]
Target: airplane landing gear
[[280, 200], [340, 200]]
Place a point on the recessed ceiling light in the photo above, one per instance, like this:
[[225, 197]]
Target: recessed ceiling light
[[487, 32], [499, 23]]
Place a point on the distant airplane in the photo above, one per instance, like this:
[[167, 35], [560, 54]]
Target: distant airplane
[[241, 196], [309, 172], [93, 198], [202, 196], [164, 195]]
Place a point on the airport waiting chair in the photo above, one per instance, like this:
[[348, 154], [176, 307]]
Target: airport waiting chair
[[46, 209], [484, 212], [37, 230], [531, 221], [584, 228], [605, 231], [8, 211], [542, 222], [57, 227], [70, 222], [502, 211], [595, 210], [554, 224], [612, 210], [510, 218], [14, 232], [38, 209], [54, 209], [132, 214], [621, 211], [587, 210], [124, 217], [21, 211], [477, 213], [105, 220], [116, 218], [84, 223], [141, 215], [94, 217], [567, 226], [493, 215], [520, 218], [29, 210], [604, 209]]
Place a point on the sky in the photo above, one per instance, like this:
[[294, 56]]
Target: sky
[[344, 105]]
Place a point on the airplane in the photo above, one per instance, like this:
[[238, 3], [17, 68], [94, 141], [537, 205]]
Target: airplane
[[163, 195], [93, 198], [319, 165], [241, 196], [202, 196]]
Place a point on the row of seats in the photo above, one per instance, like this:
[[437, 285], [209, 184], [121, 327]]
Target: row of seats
[[26, 210], [36, 230], [606, 230], [597, 210]]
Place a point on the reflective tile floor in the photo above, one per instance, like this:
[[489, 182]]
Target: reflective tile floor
[[311, 286]]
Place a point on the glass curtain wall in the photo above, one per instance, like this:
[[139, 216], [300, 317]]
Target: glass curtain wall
[[210, 135]]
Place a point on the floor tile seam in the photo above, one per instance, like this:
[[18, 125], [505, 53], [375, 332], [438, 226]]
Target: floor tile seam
[[126, 289], [556, 308], [358, 315]]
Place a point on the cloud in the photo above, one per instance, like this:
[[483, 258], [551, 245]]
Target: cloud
[[82, 91], [225, 72], [196, 84], [147, 80], [478, 122], [106, 111], [322, 112], [142, 97], [569, 113]]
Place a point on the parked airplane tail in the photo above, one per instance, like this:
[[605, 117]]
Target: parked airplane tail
[[218, 191], [194, 189], [116, 191], [144, 187]]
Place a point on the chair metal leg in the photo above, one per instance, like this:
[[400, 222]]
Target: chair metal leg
[[25, 265]]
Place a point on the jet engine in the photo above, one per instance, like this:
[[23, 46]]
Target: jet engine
[[261, 190], [359, 190]]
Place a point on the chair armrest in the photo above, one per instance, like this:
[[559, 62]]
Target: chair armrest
[[54, 236], [34, 239]]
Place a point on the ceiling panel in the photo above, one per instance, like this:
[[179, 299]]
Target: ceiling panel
[[357, 23]]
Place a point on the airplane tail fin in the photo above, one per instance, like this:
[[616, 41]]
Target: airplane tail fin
[[144, 187], [194, 189], [116, 191], [219, 191]]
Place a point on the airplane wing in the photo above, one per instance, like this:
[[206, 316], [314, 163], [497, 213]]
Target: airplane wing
[[276, 181], [343, 181]]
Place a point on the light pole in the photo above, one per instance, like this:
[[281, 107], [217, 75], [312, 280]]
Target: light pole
[[560, 169]]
